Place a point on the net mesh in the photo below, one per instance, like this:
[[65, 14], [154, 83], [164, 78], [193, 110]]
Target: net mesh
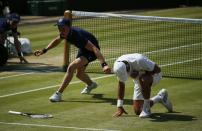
[[173, 43]]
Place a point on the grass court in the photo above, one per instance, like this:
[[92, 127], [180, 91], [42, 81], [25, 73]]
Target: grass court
[[27, 88]]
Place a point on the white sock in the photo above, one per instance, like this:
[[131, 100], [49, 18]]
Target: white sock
[[156, 99], [58, 93], [146, 104]]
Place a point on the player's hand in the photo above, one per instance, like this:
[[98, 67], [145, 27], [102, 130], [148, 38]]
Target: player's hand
[[106, 69], [23, 60], [120, 112], [38, 52]]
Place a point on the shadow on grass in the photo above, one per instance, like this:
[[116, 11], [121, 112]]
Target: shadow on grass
[[30, 67], [155, 117], [101, 99], [175, 116], [112, 101]]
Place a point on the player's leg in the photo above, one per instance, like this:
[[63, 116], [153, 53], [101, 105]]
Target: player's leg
[[156, 79], [138, 103], [138, 99], [86, 79], [77, 63], [137, 106], [145, 83], [162, 96], [80, 74], [89, 56]]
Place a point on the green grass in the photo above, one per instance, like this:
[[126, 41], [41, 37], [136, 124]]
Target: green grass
[[96, 110]]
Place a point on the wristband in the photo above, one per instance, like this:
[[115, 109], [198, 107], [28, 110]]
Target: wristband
[[119, 103], [44, 50], [104, 64]]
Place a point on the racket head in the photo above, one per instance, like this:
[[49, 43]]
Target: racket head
[[41, 116]]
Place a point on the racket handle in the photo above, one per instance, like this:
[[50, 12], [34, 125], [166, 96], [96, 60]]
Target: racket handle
[[15, 112]]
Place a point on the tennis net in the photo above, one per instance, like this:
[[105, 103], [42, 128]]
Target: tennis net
[[173, 43]]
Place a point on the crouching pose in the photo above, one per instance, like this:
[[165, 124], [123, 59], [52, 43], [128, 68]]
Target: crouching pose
[[88, 51], [145, 74]]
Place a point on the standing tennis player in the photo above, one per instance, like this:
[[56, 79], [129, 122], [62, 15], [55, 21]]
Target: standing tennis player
[[145, 74], [88, 51]]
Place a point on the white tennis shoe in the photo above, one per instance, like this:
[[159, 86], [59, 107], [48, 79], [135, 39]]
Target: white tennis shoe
[[56, 97], [146, 112], [164, 100], [88, 89]]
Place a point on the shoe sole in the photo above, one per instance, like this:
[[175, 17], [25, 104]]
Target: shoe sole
[[145, 116], [51, 100], [85, 93], [169, 107]]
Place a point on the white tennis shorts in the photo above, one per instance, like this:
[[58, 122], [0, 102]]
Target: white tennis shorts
[[137, 88]]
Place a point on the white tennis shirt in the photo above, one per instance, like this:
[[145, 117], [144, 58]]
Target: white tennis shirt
[[136, 61]]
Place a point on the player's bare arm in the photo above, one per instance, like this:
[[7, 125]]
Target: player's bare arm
[[156, 69], [18, 48], [51, 45], [17, 43], [121, 93], [91, 47]]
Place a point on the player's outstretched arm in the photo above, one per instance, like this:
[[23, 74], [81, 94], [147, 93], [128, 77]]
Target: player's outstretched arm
[[51, 45], [19, 50]]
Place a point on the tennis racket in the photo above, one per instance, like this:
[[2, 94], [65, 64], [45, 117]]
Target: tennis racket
[[31, 115]]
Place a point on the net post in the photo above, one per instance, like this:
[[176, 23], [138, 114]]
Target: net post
[[67, 14]]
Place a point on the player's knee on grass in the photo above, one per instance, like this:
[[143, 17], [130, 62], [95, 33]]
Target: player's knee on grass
[[137, 106]]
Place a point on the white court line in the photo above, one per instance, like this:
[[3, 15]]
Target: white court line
[[30, 72], [161, 50], [173, 48], [52, 126], [181, 62], [65, 127], [43, 88], [15, 75], [95, 78]]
